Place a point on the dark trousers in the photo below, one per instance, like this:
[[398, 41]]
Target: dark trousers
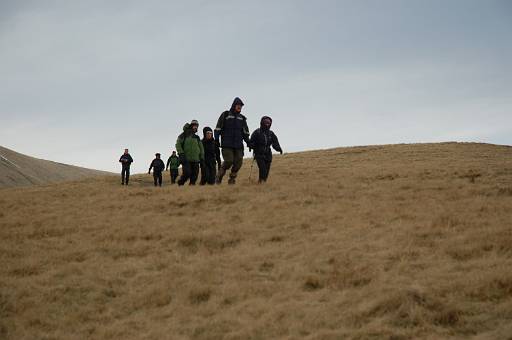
[[125, 175], [190, 171], [264, 164], [208, 172], [174, 175], [157, 178]]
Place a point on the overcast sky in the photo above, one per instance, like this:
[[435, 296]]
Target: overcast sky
[[81, 80]]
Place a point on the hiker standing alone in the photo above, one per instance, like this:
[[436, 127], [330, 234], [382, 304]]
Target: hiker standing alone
[[126, 160], [173, 163], [261, 141], [191, 153], [232, 130], [211, 157], [158, 166]]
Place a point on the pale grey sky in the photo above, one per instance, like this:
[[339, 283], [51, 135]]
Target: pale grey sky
[[80, 80]]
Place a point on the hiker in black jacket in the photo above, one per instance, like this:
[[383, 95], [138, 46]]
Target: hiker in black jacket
[[158, 166], [261, 141], [126, 160], [232, 130], [211, 157]]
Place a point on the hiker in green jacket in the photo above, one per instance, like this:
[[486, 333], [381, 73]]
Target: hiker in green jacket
[[173, 162], [190, 152]]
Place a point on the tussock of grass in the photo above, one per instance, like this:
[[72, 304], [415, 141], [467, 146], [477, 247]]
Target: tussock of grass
[[393, 242]]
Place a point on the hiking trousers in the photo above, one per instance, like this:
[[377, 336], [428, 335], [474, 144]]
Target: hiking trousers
[[190, 171], [174, 175], [233, 159], [125, 175], [208, 172], [264, 167], [157, 178]]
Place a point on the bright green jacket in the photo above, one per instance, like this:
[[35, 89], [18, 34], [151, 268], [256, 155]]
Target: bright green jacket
[[173, 162], [189, 145]]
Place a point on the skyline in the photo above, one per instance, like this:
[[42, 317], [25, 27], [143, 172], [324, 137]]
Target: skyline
[[80, 82]]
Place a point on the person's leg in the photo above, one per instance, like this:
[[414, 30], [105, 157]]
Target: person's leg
[[194, 172], [204, 174], [127, 176], [154, 178], [238, 159], [122, 176], [185, 173], [228, 155], [262, 166], [212, 169], [160, 179], [174, 175]]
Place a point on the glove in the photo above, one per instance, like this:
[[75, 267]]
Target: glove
[[149, 172], [281, 152]]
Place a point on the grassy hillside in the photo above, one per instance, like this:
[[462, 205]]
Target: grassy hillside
[[17, 169], [397, 242]]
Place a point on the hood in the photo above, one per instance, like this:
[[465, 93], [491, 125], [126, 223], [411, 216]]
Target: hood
[[236, 101], [207, 129], [262, 119]]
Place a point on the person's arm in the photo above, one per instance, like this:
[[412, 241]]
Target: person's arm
[[217, 155], [150, 167], [246, 133], [275, 143], [201, 149], [162, 166], [130, 159], [218, 128], [168, 163], [179, 145]]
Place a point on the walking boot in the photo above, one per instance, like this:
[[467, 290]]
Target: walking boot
[[232, 178], [220, 175]]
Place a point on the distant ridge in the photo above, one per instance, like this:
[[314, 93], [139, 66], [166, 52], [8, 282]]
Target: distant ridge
[[17, 169]]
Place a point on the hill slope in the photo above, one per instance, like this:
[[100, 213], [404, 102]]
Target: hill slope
[[17, 169], [370, 242]]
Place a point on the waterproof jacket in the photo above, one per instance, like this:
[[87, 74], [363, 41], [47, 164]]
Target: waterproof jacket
[[173, 162], [189, 145], [211, 151], [232, 128], [126, 160], [262, 139], [157, 165]]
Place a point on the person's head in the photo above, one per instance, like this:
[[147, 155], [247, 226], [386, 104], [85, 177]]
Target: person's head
[[266, 123], [237, 105], [174, 153], [208, 133], [125, 151], [194, 125], [157, 155]]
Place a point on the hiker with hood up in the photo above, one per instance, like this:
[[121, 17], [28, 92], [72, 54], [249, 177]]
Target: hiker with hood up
[[126, 160], [190, 152], [173, 162], [211, 157], [261, 141], [158, 167], [232, 130]]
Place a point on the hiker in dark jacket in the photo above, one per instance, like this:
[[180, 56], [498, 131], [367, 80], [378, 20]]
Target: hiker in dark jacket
[[173, 162], [190, 152], [261, 141], [126, 160], [158, 166], [232, 130], [211, 157]]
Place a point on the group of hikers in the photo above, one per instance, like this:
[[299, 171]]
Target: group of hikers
[[196, 154]]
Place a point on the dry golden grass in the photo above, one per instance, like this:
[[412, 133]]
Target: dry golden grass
[[396, 242]]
